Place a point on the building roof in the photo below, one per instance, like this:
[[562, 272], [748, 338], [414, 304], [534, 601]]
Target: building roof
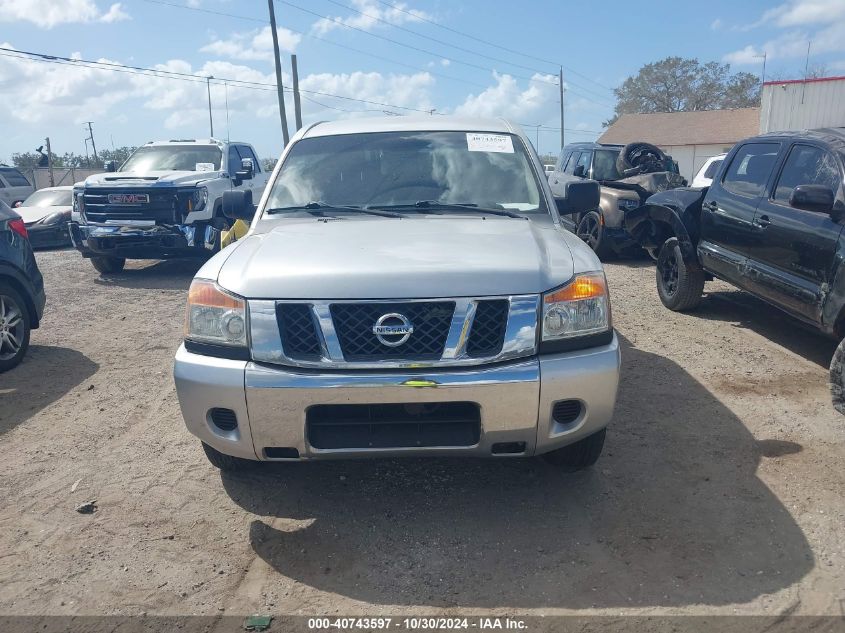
[[810, 80], [703, 127]]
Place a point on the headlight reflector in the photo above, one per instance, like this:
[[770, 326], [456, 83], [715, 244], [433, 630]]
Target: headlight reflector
[[579, 308], [198, 199], [214, 315]]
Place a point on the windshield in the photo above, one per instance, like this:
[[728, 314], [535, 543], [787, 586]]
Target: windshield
[[604, 165], [174, 158], [404, 168], [43, 198]]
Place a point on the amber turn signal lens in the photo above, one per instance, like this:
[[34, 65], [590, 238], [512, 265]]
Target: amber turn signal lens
[[582, 287], [206, 293]]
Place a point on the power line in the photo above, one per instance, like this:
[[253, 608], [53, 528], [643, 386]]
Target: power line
[[321, 39], [494, 45], [432, 39], [403, 44], [455, 46], [433, 53], [175, 75], [587, 97]]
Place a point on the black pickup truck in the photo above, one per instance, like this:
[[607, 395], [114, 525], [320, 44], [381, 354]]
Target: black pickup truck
[[771, 224]]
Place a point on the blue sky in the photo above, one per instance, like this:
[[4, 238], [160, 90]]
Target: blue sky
[[599, 44]]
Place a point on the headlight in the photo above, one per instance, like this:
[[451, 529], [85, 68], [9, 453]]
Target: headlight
[[53, 218], [625, 204], [78, 202], [579, 308], [214, 315], [198, 199]]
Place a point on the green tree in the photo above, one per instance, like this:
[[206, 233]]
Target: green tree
[[675, 84]]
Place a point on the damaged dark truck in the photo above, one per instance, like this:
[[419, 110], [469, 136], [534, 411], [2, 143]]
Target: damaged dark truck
[[164, 201], [770, 224]]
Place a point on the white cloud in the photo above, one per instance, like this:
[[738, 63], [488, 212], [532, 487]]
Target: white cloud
[[370, 16], [716, 24], [507, 99], [44, 95], [49, 13], [744, 56], [253, 45], [820, 23], [412, 91], [804, 12], [114, 14]]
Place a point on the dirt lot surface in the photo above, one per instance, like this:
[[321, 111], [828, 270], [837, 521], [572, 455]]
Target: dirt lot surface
[[720, 489]]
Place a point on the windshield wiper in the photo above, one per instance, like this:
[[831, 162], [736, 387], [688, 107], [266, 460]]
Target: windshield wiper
[[317, 208], [423, 206]]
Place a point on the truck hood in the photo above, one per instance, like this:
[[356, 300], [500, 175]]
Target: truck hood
[[150, 178], [378, 258]]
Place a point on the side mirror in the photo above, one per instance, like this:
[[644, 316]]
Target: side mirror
[[580, 172], [812, 198], [246, 171], [579, 197], [110, 165], [237, 205]]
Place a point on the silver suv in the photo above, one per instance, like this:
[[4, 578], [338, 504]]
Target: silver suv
[[405, 288]]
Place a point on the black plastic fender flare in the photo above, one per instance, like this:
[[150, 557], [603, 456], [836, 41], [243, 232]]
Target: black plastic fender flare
[[640, 224]]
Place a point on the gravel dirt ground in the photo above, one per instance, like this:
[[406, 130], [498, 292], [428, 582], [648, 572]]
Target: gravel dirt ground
[[720, 490]]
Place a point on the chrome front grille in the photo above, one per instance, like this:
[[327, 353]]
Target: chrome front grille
[[162, 205], [340, 334], [354, 322]]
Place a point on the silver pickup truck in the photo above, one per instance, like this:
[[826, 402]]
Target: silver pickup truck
[[405, 288]]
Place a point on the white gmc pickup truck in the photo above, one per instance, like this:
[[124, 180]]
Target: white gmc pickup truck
[[166, 200], [405, 288]]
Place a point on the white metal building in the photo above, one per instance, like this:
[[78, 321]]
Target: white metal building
[[803, 104], [690, 137]]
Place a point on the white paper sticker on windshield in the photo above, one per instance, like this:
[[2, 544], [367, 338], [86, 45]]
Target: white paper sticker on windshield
[[477, 142], [204, 167]]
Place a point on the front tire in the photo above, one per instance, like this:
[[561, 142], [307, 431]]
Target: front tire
[[226, 463], [107, 265], [578, 456], [15, 326], [591, 230], [837, 378], [679, 286]]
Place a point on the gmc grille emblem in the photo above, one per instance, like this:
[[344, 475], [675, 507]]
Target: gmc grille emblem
[[129, 198]]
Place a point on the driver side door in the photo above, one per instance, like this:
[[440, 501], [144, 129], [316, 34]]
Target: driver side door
[[791, 261]]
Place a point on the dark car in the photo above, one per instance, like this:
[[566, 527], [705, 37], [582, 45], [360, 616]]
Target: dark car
[[46, 214], [771, 223], [21, 289], [628, 175]]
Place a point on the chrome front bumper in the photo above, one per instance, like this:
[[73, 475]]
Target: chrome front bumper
[[515, 400]]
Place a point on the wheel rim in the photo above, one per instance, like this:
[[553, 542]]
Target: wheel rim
[[588, 230], [11, 328], [669, 274]]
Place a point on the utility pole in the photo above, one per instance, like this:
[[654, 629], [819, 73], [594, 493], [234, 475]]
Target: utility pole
[[297, 108], [50, 161], [226, 96], [279, 86], [93, 146], [210, 120], [562, 133]]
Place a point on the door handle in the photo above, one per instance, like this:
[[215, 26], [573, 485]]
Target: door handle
[[711, 206], [557, 181], [763, 221]]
